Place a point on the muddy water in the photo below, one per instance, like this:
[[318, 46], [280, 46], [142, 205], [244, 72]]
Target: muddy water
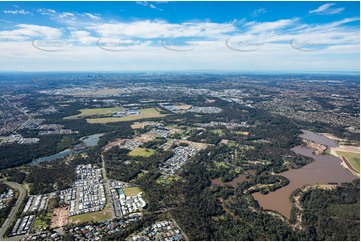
[[320, 139], [323, 170]]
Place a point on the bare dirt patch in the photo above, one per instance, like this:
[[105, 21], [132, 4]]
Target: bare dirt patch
[[224, 141], [195, 145], [144, 138], [114, 143], [60, 217], [183, 106], [142, 125], [344, 148]]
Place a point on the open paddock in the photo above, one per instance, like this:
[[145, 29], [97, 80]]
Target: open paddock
[[143, 152], [144, 114], [89, 112], [131, 191], [99, 216], [98, 93], [196, 145]]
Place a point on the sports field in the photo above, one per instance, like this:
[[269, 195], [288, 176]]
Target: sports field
[[144, 114], [131, 191], [89, 112], [353, 158], [141, 152]]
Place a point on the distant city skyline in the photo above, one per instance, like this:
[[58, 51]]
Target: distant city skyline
[[180, 36]]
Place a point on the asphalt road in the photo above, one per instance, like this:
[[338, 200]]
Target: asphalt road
[[22, 193]]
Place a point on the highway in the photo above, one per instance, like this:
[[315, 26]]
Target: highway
[[22, 194]]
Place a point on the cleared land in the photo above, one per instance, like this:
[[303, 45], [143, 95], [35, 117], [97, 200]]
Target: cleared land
[[353, 158], [113, 143], [131, 191], [89, 112], [60, 217], [103, 92], [141, 125], [141, 152], [144, 114], [196, 145], [99, 216], [145, 138], [183, 106], [242, 133]]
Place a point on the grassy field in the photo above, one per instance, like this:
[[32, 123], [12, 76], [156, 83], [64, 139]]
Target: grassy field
[[141, 152], [242, 133], [42, 220], [99, 216], [131, 191], [144, 114], [353, 158], [89, 112], [167, 180]]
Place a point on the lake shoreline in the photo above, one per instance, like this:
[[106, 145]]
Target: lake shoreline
[[89, 141], [324, 169]]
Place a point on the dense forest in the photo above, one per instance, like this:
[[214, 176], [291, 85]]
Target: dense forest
[[121, 166], [332, 214]]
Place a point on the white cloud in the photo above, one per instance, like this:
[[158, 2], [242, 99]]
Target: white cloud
[[341, 51], [70, 18], [93, 16], [326, 9], [29, 32], [258, 12], [65, 15], [45, 11], [83, 37], [147, 4], [21, 11], [162, 29], [256, 27]]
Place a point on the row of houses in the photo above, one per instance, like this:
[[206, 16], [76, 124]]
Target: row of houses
[[99, 231], [5, 196], [23, 225], [181, 155], [36, 203], [165, 230], [131, 204], [88, 191]]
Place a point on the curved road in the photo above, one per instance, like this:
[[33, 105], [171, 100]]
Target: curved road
[[22, 193]]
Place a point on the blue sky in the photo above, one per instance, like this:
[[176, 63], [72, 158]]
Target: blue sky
[[179, 36]]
